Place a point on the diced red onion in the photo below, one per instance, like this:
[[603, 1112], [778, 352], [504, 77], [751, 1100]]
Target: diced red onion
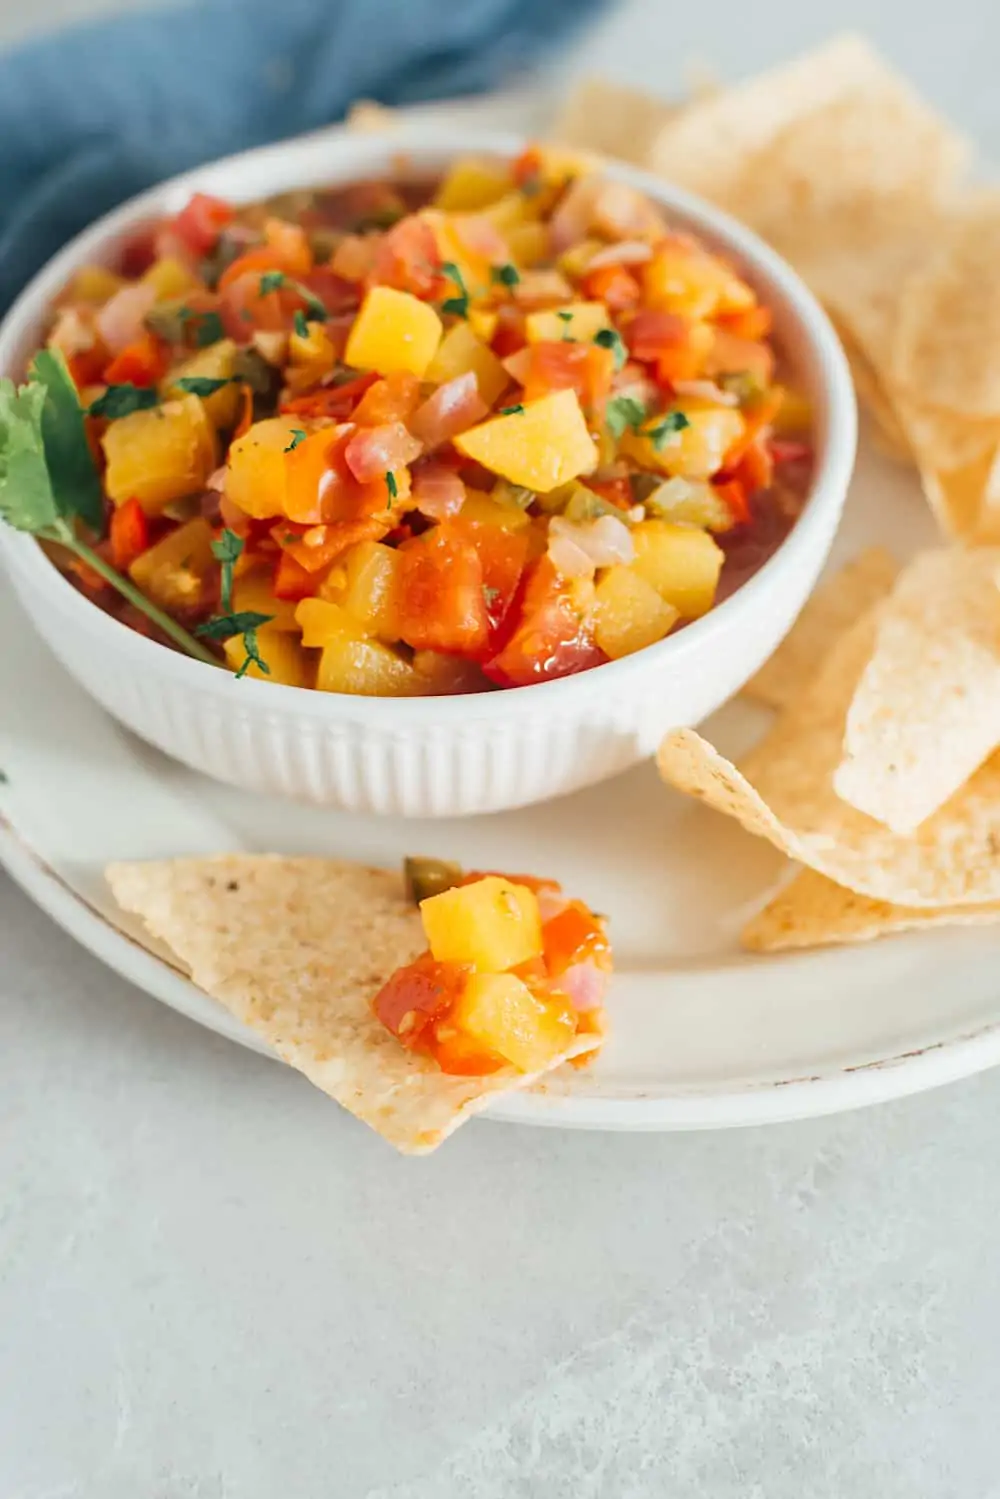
[[706, 390], [119, 321], [551, 902], [584, 985], [572, 217], [437, 491], [603, 542], [453, 408], [537, 289], [73, 332], [375, 451], [627, 252]]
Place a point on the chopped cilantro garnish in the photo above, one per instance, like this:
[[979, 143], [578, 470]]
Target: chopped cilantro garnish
[[246, 623], [505, 275], [664, 427], [610, 338], [271, 281], [392, 487], [122, 400], [44, 484], [298, 435], [274, 281], [624, 412], [202, 385], [511, 410], [227, 551], [458, 305], [300, 325], [208, 328]]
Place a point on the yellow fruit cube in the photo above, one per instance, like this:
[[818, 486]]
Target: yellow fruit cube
[[160, 454], [575, 261], [311, 356], [694, 452], [511, 211], [501, 1013], [528, 243], [462, 350], [321, 621], [367, 586], [254, 594], [483, 322], [94, 283], [393, 333], [472, 183], [256, 470], [169, 278], [541, 447], [489, 512], [579, 321], [214, 363], [365, 667], [630, 614], [178, 572], [686, 279], [281, 653], [491, 924], [795, 414], [690, 502], [680, 562]]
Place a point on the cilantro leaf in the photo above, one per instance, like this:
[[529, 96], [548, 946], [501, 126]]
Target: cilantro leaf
[[511, 410], [271, 281], [298, 435], [227, 551], [300, 325], [458, 305], [209, 329], [664, 427], [74, 476], [274, 281], [622, 413], [566, 318], [122, 400], [610, 338], [391, 486], [505, 275], [27, 501], [201, 385], [246, 623]]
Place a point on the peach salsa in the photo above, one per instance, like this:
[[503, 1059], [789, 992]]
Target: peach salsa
[[409, 437]]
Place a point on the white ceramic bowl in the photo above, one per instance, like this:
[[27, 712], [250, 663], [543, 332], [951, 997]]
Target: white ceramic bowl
[[437, 756]]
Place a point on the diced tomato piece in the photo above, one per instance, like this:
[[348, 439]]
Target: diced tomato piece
[[735, 495], [291, 243], [653, 332], [418, 995], [129, 534], [375, 451], [460, 1055], [334, 400], [574, 936], [337, 294], [509, 335], [613, 285], [321, 545], [259, 260], [201, 222], [393, 399], [586, 368], [755, 469], [527, 167], [408, 259], [292, 581], [310, 469], [143, 362], [757, 419], [503, 556], [87, 367], [552, 638], [754, 323], [789, 450], [442, 604], [139, 252]]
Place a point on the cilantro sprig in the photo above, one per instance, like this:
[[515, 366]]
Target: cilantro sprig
[[665, 427], [622, 414], [245, 622], [204, 385], [505, 275], [227, 551], [122, 400], [459, 304], [610, 338], [392, 488], [512, 410], [48, 480]]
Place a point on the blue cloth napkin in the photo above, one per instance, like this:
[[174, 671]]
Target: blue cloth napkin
[[95, 114]]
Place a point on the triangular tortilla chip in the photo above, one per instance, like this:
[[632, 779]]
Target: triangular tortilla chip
[[926, 711], [297, 949], [611, 119], [812, 911], [785, 794], [833, 607]]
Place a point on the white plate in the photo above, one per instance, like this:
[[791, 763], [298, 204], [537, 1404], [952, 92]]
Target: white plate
[[704, 1035]]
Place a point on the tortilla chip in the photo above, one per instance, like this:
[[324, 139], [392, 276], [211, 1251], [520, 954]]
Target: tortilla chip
[[297, 949], [812, 911], [785, 794], [958, 460], [610, 119], [811, 140], [926, 712], [946, 348], [833, 607]]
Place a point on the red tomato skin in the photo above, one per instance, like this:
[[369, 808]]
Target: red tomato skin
[[417, 996], [503, 556], [408, 259], [442, 604], [129, 534], [200, 223], [550, 639]]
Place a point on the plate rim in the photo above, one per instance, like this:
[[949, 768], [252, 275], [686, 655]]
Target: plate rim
[[774, 1101]]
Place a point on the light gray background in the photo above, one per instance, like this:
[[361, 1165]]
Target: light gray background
[[213, 1285]]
